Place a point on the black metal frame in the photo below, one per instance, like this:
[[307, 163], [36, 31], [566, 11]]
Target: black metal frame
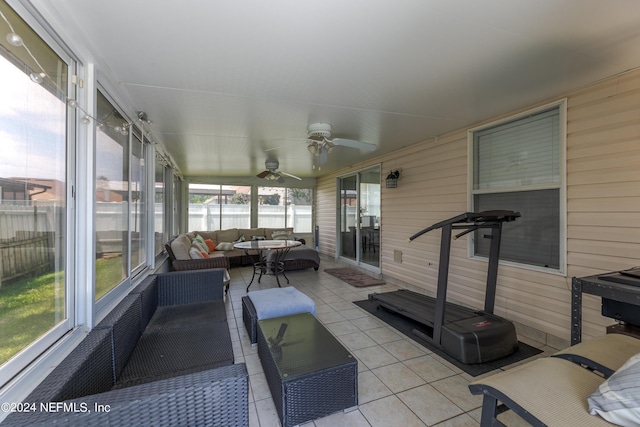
[[262, 266], [597, 285]]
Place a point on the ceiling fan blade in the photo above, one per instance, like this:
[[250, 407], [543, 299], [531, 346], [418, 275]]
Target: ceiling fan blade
[[352, 143], [263, 174], [280, 179], [292, 176]]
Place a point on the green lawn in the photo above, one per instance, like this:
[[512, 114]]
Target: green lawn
[[28, 307]]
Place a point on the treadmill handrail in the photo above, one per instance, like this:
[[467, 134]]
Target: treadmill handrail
[[475, 220]]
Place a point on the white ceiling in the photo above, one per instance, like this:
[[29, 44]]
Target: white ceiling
[[229, 84]]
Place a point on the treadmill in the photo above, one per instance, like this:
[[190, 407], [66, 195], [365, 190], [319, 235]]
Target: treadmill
[[470, 336]]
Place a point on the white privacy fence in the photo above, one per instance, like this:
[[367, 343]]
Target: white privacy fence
[[210, 217], [30, 237]]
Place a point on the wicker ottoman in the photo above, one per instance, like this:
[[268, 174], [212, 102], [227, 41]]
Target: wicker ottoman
[[275, 302], [309, 372]]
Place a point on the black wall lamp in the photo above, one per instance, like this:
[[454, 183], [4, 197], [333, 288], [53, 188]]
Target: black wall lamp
[[392, 179]]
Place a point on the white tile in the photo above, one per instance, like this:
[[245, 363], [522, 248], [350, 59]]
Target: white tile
[[398, 377], [456, 388], [357, 340], [342, 328], [405, 349], [374, 357], [390, 411], [384, 334], [370, 387], [429, 404], [351, 419], [428, 368]]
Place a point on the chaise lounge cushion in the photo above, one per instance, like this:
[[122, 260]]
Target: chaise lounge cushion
[[550, 390]]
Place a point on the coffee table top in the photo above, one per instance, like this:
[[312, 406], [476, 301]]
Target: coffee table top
[[267, 244], [304, 345]]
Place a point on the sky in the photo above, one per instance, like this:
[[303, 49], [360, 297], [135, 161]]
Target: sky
[[32, 127]]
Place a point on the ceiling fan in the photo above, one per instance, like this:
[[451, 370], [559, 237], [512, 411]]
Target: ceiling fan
[[320, 145], [273, 174]]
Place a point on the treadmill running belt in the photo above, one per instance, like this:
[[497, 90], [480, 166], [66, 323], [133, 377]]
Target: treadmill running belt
[[420, 308]]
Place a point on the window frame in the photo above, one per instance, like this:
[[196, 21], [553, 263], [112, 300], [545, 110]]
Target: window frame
[[561, 105], [254, 202], [31, 356]]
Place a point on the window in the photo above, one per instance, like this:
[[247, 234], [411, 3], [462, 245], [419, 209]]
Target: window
[[517, 166], [235, 207], [280, 207], [33, 204], [299, 209], [272, 207], [219, 207], [112, 198], [138, 202], [159, 226]]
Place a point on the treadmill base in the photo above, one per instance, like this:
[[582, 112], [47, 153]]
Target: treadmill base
[[467, 335]]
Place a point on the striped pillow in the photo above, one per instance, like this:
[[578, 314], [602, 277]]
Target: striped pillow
[[617, 400]]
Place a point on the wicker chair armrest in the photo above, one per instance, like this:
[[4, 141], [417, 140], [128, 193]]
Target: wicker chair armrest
[[216, 397], [200, 264], [186, 287]]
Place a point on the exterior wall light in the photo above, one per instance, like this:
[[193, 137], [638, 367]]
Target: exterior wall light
[[392, 179]]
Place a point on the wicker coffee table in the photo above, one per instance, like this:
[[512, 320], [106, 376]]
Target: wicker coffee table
[[310, 374]]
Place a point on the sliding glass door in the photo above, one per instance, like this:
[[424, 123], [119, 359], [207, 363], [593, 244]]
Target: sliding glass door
[[359, 210]]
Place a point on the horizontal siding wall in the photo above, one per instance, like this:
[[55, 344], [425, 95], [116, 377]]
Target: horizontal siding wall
[[603, 212], [603, 183]]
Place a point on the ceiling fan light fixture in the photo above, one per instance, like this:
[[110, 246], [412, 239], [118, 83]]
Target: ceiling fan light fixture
[[328, 146]]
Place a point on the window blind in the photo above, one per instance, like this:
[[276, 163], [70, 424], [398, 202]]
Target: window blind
[[518, 154]]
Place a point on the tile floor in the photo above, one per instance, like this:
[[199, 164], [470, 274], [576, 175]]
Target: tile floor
[[400, 382]]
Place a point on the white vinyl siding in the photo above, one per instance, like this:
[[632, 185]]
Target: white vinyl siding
[[602, 201]]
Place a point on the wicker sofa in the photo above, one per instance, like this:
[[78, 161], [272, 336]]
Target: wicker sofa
[[163, 356], [178, 248]]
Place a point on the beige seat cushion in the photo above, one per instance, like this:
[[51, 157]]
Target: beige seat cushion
[[230, 235]]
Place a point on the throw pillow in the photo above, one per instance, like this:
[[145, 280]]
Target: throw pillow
[[224, 246], [211, 245], [201, 246], [204, 254], [617, 400], [194, 253], [180, 247], [254, 238], [199, 238], [281, 235], [239, 240]]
